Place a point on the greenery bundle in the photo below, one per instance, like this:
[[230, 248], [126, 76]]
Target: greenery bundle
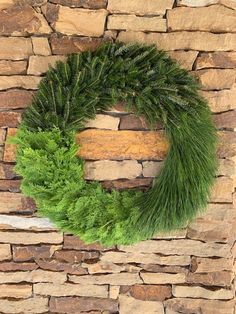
[[147, 80]]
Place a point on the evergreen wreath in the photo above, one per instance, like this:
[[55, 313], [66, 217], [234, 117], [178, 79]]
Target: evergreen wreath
[[150, 82]]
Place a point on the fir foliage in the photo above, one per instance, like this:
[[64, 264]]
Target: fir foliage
[[150, 83]]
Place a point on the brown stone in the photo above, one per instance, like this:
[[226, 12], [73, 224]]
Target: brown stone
[[109, 279], [27, 253], [222, 279], [74, 243], [14, 202], [66, 45], [150, 292], [226, 167], [31, 305], [41, 46], [132, 122], [184, 58], [131, 305], [30, 238], [10, 149], [226, 119], [221, 100], [164, 269], [7, 171], [50, 12], [87, 4], [15, 99], [80, 21], [75, 256], [216, 79], [222, 190], [21, 20], [136, 23], [15, 291], [55, 265], [10, 119], [19, 81], [227, 144], [220, 19], [8, 67], [99, 144], [15, 48], [196, 306], [141, 7], [225, 60], [123, 184], [5, 252], [40, 64], [207, 265], [77, 305], [183, 40], [103, 268], [12, 266]]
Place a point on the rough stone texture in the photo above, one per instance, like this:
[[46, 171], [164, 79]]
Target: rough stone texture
[[14, 202], [32, 305], [99, 144], [225, 60], [10, 185], [132, 122], [222, 190], [40, 64], [150, 292], [151, 168], [21, 20], [12, 266], [202, 3], [141, 7], [82, 305], [75, 256], [216, 79], [15, 48], [90, 4], [207, 265], [112, 170], [123, 184], [136, 23], [15, 99], [220, 19], [185, 58], [73, 242], [183, 40], [226, 119], [55, 265], [5, 252], [8, 67], [71, 290], [103, 122], [199, 292], [10, 149], [30, 238], [221, 100], [103, 267], [162, 278], [28, 253], [19, 81], [226, 144], [222, 279], [41, 46], [15, 222], [131, 305], [112, 279], [71, 21], [11, 120], [15, 291]]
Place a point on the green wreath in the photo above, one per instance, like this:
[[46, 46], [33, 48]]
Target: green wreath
[[148, 81]]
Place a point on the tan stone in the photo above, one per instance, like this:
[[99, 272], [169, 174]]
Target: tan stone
[[15, 99], [222, 279], [32, 305], [226, 144], [179, 247], [221, 100], [222, 190], [37, 275], [162, 278], [103, 121], [136, 23], [30, 252], [8, 67], [225, 119], [80, 21], [176, 234], [12, 266], [40, 64], [41, 46], [6, 3], [220, 19], [151, 168], [216, 79], [15, 291], [48, 289], [106, 144], [202, 3], [208, 265], [226, 167], [103, 267], [30, 238], [5, 252], [141, 7], [130, 305], [183, 40], [114, 292], [111, 170], [145, 258], [110, 279], [15, 48], [150, 292], [2, 136], [195, 306], [225, 60], [7, 171], [10, 149], [14, 202], [19, 81], [199, 292], [34, 223], [21, 20], [184, 58]]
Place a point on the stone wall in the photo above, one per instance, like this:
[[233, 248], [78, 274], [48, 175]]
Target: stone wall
[[191, 271]]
